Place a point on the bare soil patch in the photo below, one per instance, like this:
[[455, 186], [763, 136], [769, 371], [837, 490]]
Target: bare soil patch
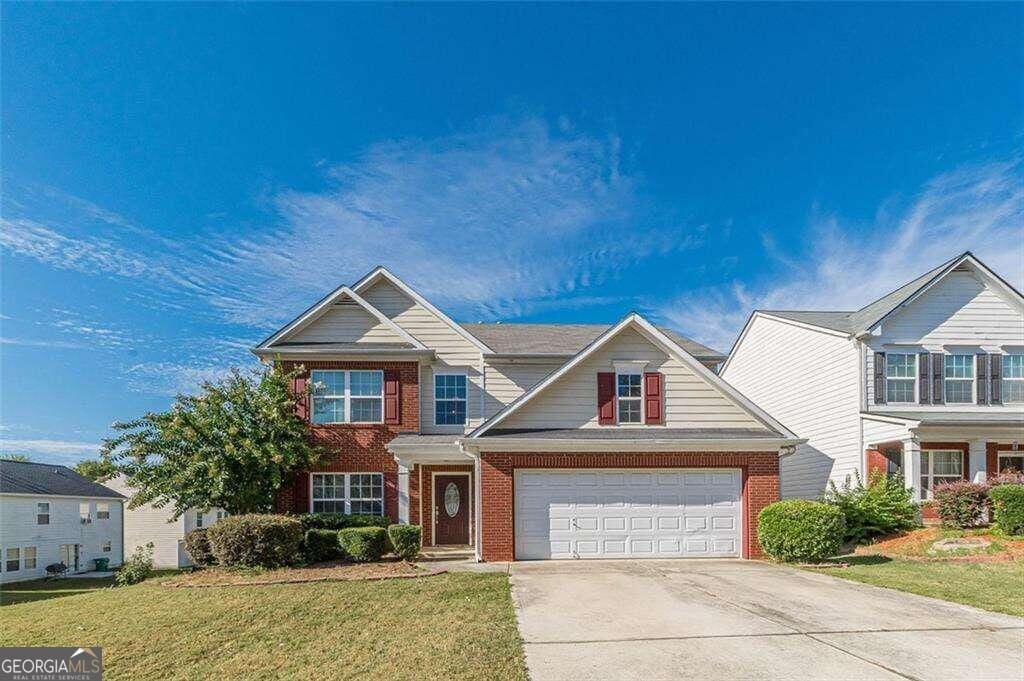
[[917, 545], [335, 571]]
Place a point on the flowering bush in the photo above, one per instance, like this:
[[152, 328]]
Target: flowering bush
[[884, 506], [962, 503]]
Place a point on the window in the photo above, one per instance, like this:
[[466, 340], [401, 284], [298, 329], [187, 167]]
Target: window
[[1013, 378], [221, 515], [939, 466], [959, 379], [13, 560], [30, 558], [199, 518], [1010, 462], [102, 511], [900, 378], [629, 390], [347, 493], [105, 547], [83, 512], [348, 396], [43, 513], [450, 399]]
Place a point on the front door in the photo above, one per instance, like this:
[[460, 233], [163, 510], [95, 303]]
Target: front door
[[451, 509], [69, 556]]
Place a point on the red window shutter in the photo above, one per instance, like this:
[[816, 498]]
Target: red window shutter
[[606, 398], [654, 398], [301, 397], [392, 398]]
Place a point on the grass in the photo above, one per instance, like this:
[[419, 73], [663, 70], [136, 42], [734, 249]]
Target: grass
[[459, 626], [991, 578]]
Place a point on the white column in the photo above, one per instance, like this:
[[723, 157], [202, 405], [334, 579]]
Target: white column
[[403, 493], [976, 458], [912, 465]]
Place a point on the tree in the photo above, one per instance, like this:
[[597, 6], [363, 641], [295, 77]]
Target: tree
[[231, 446], [23, 458], [96, 469]]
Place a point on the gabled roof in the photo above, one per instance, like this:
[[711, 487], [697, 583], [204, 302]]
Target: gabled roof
[[279, 338], [863, 320], [656, 336], [22, 477], [381, 272], [563, 339]]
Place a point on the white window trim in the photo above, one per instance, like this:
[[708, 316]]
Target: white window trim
[[106, 546], [348, 498], [25, 558], [972, 363], [346, 397], [914, 379], [7, 559], [86, 517], [465, 375], [931, 476], [47, 514], [102, 507], [630, 371], [199, 519], [1004, 380]]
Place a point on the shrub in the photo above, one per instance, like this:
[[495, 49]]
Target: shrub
[[405, 540], [1008, 508], [322, 545], [885, 506], [961, 503], [137, 568], [339, 521], [1006, 478], [363, 544], [801, 530], [256, 540], [197, 545]]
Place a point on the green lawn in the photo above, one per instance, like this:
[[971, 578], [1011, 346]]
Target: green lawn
[[449, 626], [991, 586]]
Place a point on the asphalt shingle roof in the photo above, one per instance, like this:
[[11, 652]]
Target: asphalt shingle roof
[[562, 339], [20, 477]]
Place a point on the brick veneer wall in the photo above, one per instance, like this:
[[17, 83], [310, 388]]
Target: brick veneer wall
[[760, 486], [357, 448]]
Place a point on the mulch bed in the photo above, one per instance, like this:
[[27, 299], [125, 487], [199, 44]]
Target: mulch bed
[[914, 545], [335, 571]]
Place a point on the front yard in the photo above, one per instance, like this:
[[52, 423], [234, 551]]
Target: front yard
[[446, 626], [989, 578]]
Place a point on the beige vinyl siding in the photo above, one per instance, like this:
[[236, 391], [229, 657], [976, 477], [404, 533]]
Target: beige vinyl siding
[[347, 323], [454, 353], [808, 381], [690, 401], [958, 313], [506, 381]]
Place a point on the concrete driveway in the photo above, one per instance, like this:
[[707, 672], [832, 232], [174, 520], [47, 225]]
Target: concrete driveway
[[747, 620]]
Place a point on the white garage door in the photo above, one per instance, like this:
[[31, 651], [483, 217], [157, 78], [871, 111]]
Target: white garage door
[[634, 513]]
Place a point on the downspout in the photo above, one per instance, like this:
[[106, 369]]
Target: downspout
[[862, 404], [477, 508]]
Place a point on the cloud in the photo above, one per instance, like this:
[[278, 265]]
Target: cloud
[[171, 378], [51, 451], [845, 266], [491, 221], [27, 342]]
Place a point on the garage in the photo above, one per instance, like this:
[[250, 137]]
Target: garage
[[628, 513]]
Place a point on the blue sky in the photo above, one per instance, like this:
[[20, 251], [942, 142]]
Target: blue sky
[[179, 180]]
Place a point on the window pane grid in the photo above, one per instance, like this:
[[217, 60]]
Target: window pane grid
[[348, 493], [348, 396], [629, 385], [938, 467], [900, 366], [30, 558], [901, 375], [1013, 378], [450, 399]]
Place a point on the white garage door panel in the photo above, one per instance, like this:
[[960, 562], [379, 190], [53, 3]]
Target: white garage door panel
[[628, 513]]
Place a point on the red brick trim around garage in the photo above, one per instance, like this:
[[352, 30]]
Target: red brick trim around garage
[[760, 486]]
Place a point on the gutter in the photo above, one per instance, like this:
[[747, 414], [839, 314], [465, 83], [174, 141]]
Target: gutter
[[303, 353], [509, 444]]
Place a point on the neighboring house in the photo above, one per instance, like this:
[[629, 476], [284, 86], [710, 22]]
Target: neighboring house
[[51, 514], [927, 381], [148, 524], [525, 440]]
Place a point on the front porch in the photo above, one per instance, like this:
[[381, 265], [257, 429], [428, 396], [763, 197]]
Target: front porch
[[437, 489]]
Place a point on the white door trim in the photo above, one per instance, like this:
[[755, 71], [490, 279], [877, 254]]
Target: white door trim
[[433, 500]]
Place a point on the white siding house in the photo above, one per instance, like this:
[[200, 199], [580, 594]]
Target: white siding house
[[50, 514], [927, 381], [149, 524]]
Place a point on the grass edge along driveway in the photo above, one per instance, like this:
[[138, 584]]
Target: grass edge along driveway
[[993, 586], [459, 625]]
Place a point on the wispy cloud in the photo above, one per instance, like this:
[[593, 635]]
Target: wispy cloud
[[33, 343], [845, 266], [171, 378], [491, 221], [51, 451]]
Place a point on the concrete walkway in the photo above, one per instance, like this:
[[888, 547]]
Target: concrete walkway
[[747, 620]]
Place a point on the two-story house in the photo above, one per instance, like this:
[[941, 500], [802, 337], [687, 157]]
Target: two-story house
[[927, 381], [525, 440]]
